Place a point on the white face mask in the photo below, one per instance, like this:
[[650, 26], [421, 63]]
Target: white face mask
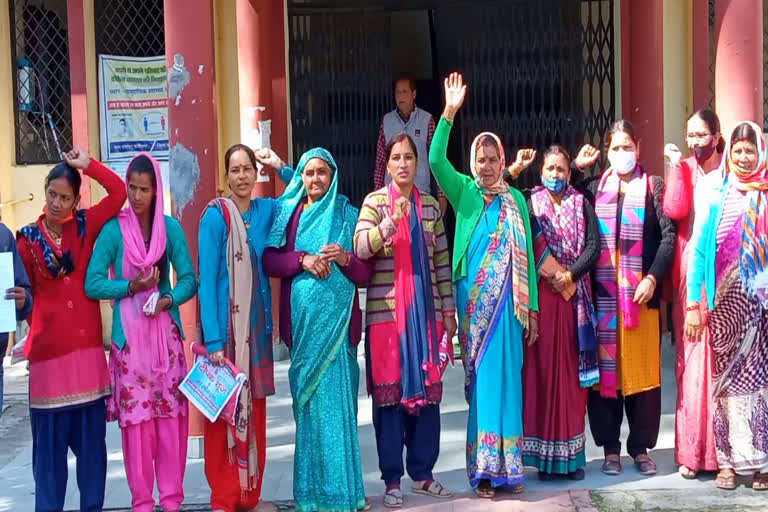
[[622, 162]]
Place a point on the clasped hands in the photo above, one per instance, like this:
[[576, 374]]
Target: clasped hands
[[320, 264]]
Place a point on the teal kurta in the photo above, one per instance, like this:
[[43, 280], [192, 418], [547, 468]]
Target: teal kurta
[[109, 249]]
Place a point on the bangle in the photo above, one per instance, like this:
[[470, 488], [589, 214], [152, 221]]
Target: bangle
[[692, 307], [652, 278], [569, 277], [170, 298], [301, 257], [130, 290]]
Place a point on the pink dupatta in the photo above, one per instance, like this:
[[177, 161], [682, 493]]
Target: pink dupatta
[[148, 335]]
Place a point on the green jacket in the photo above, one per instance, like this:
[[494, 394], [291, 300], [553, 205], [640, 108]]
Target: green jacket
[[108, 252], [468, 202]]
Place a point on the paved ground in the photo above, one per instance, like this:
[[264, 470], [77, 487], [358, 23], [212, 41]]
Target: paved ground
[[630, 491]]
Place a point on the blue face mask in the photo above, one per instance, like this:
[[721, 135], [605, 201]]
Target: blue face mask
[[554, 185]]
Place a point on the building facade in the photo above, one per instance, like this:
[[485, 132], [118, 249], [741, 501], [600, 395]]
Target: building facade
[[301, 73]]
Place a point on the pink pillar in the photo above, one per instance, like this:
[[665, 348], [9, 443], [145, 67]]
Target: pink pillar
[[739, 62], [700, 55], [642, 70]]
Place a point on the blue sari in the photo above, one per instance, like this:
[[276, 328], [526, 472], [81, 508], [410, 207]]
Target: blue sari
[[495, 424], [324, 373]]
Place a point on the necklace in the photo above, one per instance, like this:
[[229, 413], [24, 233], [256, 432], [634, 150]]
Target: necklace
[[53, 234], [247, 220]]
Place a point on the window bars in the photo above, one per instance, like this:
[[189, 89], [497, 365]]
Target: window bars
[[42, 107]]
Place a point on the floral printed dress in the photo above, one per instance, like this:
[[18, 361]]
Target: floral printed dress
[[140, 391], [495, 424]]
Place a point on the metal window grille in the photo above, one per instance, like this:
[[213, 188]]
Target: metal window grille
[[42, 107], [133, 28], [540, 71]]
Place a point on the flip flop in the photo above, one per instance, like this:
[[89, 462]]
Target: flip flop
[[393, 498], [432, 488], [726, 481]]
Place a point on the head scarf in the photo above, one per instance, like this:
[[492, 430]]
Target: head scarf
[[315, 303], [753, 253], [500, 186]]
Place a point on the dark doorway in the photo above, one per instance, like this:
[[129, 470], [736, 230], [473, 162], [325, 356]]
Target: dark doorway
[[539, 71]]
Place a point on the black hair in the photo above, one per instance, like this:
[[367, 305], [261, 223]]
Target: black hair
[[405, 78], [69, 173], [620, 126], [556, 149], [744, 132], [709, 118], [399, 138], [234, 149]]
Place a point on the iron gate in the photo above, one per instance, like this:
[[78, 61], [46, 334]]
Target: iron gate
[[539, 71]]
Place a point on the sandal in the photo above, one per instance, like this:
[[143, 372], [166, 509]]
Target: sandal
[[517, 488], [367, 506], [432, 488], [726, 479], [393, 498], [645, 465], [760, 482], [485, 490], [612, 465], [687, 472]]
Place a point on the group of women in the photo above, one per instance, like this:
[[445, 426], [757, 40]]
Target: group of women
[[588, 254]]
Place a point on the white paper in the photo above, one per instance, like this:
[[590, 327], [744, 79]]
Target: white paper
[[7, 306]]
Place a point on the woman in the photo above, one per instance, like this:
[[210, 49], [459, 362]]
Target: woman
[[310, 249], [562, 364], [493, 267], [67, 405], [690, 185], [233, 233], [729, 258], [637, 243], [401, 231], [147, 361]]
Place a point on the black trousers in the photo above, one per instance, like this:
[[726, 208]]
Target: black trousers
[[643, 414]]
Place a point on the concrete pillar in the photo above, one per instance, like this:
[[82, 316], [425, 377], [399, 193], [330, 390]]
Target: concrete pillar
[[193, 161], [642, 82], [738, 62]]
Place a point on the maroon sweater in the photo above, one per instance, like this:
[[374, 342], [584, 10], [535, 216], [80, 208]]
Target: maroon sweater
[[284, 263]]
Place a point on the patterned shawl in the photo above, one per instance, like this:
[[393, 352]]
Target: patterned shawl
[[617, 289], [53, 261], [495, 276], [564, 233], [320, 308], [414, 307], [515, 225], [753, 253], [243, 289]]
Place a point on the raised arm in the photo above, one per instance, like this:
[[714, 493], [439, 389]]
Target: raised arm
[[266, 156], [678, 194], [99, 214]]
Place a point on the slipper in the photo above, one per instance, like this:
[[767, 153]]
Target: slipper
[[393, 498], [760, 482], [726, 480], [485, 490], [367, 506], [517, 488], [687, 472], [432, 488]]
